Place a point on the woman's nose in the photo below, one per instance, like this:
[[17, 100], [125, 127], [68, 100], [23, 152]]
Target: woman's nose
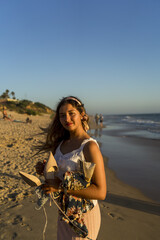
[[67, 118]]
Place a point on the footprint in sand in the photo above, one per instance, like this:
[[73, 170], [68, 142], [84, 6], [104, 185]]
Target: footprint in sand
[[104, 206], [29, 228], [113, 216], [17, 220], [10, 145], [22, 224], [14, 235], [7, 163], [12, 196], [29, 139]]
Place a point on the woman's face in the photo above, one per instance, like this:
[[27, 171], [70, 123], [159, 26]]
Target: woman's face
[[70, 117]]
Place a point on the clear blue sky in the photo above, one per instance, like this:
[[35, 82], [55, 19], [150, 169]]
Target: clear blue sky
[[107, 53]]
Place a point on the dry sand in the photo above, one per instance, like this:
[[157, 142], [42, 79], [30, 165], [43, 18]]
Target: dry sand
[[126, 213]]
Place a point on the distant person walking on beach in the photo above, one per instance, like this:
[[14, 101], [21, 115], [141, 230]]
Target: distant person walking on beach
[[101, 120], [69, 142], [96, 118]]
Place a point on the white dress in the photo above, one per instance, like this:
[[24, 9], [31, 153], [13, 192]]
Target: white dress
[[68, 162]]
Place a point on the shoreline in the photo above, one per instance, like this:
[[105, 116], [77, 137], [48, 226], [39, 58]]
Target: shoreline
[[124, 210], [135, 160], [130, 132]]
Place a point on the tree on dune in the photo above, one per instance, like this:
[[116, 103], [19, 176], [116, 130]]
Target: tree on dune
[[5, 94], [13, 95]]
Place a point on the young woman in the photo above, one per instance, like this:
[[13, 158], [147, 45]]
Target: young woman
[[68, 140]]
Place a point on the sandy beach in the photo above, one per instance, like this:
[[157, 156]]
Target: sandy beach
[[126, 212]]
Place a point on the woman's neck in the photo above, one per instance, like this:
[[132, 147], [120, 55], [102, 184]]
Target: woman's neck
[[78, 134]]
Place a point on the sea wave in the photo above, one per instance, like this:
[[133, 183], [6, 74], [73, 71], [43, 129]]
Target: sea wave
[[141, 122]]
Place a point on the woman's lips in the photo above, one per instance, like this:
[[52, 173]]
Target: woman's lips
[[68, 124]]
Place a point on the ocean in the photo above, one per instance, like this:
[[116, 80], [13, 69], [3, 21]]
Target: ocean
[[132, 144], [144, 125]]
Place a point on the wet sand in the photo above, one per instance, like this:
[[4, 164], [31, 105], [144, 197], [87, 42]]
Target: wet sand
[[126, 212], [135, 159]]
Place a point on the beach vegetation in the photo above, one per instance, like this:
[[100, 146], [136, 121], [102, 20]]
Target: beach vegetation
[[23, 106], [7, 94], [40, 105], [31, 112], [13, 95]]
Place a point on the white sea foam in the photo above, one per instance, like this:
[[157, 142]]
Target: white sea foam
[[141, 122]]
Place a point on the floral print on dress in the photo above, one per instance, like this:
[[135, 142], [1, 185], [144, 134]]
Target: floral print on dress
[[74, 207]]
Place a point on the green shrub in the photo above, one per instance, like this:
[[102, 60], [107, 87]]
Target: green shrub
[[11, 106], [40, 105], [24, 103], [31, 112], [22, 111]]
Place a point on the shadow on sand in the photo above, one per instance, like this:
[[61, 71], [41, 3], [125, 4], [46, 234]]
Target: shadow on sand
[[140, 205], [148, 207]]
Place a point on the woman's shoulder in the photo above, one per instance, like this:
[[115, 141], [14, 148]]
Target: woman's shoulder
[[91, 146], [92, 152], [88, 142]]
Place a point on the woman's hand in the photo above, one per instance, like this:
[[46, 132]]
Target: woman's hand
[[51, 185], [40, 167], [49, 188]]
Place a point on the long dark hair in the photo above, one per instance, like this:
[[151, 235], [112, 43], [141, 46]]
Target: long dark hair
[[56, 132]]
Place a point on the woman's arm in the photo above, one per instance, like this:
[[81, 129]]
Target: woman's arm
[[97, 190]]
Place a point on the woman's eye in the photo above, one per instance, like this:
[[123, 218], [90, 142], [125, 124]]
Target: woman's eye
[[72, 113]]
